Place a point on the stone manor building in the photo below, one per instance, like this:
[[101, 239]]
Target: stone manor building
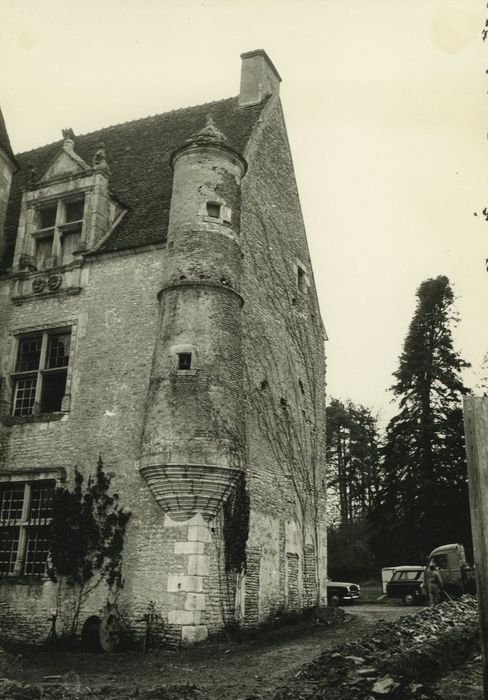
[[158, 309]]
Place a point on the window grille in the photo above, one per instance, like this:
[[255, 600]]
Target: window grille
[[25, 516]]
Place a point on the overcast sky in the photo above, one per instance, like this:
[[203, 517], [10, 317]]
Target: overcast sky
[[385, 104]]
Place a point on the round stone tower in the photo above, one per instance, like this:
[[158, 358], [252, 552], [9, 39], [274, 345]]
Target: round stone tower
[[193, 439]]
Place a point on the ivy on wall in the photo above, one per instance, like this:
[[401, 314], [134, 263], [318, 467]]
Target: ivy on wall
[[236, 512], [87, 538]]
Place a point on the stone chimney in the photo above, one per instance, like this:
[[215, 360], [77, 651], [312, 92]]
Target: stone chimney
[[259, 78]]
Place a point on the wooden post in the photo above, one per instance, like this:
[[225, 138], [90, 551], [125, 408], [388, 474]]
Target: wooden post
[[476, 430]]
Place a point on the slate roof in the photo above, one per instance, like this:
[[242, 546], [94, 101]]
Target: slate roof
[[138, 154]]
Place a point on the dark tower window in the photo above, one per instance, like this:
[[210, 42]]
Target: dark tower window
[[213, 210], [301, 279], [184, 360]]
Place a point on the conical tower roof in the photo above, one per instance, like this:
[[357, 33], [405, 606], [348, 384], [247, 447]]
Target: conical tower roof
[[209, 134]]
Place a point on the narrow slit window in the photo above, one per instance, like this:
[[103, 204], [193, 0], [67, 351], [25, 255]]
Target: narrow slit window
[[184, 360], [301, 279]]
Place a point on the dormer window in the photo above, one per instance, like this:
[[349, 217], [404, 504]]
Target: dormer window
[[58, 232]]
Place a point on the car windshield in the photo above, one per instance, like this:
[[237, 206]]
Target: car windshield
[[406, 575]]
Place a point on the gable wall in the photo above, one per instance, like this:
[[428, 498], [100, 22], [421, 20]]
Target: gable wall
[[283, 342], [115, 317]]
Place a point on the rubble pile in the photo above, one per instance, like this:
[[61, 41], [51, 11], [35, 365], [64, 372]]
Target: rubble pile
[[397, 660], [465, 682]]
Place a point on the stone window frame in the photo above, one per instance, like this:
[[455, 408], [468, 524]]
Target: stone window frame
[[60, 228], [302, 280], [46, 330], [174, 359], [224, 213], [26, 529], [184, 360]]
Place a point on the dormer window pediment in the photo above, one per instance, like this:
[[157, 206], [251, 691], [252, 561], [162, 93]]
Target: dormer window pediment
[[66, 163]]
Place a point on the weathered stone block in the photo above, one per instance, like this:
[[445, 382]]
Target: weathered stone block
[[194, 633], [177, 582], [198, 565], [195, 601], [189, 547], [184, 617], [199, 533]]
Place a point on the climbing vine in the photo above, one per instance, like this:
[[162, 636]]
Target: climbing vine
[[236, 526], [87, 538]]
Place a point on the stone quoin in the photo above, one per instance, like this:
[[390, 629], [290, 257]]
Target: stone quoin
[[158, 308]]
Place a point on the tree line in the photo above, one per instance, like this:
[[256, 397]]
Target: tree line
[[396, 494]]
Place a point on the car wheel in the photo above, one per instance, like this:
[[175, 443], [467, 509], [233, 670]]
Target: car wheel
[[409, 599], [334, 600]]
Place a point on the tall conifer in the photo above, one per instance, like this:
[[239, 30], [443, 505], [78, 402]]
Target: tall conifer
[[424, 500]]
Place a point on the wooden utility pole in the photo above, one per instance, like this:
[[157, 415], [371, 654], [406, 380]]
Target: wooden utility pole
[[476, 430]]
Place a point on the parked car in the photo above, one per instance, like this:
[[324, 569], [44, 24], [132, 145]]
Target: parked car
[[342, 592], [407, 584]]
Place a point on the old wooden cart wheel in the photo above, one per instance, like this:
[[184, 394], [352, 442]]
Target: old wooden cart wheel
[[109, 632], [101, 634]]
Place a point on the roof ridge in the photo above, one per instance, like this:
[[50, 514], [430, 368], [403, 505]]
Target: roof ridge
[[130, 121]]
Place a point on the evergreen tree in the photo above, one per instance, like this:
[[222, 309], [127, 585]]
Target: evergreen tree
[[424, 500], [352, 460], [482, 386]]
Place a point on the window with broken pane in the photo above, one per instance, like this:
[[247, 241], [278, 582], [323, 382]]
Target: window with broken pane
[[58, 234], [41, 370]]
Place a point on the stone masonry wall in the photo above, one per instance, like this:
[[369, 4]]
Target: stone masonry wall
[[115, 317], [285, 364], [175, 565]]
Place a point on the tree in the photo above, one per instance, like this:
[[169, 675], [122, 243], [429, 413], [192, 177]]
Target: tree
[[482, 386], [87, 539], [353, 463], [424, 499]]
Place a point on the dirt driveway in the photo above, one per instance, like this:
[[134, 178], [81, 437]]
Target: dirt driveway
[[227, 670]]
